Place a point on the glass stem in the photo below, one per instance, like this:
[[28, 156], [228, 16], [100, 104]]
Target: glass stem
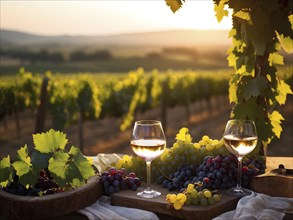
[[148, 164], [239, 176]]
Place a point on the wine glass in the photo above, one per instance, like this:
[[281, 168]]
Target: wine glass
[[148, 142], [240, 139]]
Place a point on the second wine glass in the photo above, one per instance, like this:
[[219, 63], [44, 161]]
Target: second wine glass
[[240, 139], [148, 142]]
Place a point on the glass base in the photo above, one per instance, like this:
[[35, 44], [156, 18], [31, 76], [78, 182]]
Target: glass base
[[149, 194], [238, 191]]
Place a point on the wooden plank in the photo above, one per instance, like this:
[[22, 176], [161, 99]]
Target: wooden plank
[[128, 198]]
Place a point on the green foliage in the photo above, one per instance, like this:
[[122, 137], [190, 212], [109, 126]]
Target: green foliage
[[69, 168], [50, 142], [258, 27], [6, 171]]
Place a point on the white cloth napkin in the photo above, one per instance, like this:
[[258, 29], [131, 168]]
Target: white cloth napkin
[[259, 206], [103, 210]]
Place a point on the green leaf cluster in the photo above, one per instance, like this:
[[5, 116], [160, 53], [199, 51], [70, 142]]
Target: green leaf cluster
[[260, 30], [69, 168]]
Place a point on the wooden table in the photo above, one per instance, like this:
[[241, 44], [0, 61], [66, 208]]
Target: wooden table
[[160, 207], [227, 203]]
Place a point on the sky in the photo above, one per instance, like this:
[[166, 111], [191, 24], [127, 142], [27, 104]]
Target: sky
[[106, 17]]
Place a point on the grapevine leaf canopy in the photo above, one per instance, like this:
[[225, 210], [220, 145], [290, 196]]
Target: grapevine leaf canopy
[[174, 5], [5, 171], [50, 141]]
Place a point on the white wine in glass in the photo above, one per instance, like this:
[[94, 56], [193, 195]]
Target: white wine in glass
[[148, 142], [240, 139]]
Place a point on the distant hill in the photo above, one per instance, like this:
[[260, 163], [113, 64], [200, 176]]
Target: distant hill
[[190, 38]]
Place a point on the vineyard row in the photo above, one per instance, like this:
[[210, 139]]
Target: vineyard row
[[86, 98]]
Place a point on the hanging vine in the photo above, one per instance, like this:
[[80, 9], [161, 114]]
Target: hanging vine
[[261, 29]]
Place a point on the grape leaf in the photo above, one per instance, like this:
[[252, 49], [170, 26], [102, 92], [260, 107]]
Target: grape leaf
[[258, 39], [5, 171], [282, 90], [286, 43], [50, 141], [232, 93], [23, 167], [29, 178], [275, 59], [40, 160], [232, 59], [280, 22], [259, 17], [58, 164], [174, 5], [276, 119], [242, 70], [290, 17], [243, 15], [23, 164], [23, 155], [220, 10], [82, 163], [254, 88], [264, 130], [232, 33], [249, 109]]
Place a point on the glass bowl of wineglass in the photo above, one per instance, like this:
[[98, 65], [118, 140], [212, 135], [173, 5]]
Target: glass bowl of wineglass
[[148, 142], [240, 138]]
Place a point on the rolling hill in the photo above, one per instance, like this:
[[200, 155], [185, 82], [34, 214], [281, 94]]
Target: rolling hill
[[184, 38]]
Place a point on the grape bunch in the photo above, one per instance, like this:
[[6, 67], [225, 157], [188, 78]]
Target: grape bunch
[[45, 185], [215, 172], [113, 180], [179, 179], [218, 172], [191, 196], [183, 152], [251, 168]]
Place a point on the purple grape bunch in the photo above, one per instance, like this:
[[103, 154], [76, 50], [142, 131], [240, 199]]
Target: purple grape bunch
[[114, 180], [215, 172]]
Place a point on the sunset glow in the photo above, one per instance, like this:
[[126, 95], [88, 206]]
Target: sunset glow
[[106, 17]]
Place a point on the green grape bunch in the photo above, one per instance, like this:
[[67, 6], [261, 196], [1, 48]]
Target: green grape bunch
[[183, 152]]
